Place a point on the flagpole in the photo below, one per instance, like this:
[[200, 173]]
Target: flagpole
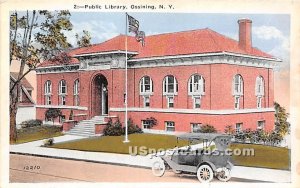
[[126, 114]]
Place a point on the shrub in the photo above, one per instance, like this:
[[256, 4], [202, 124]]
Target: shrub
[[31, 123], [116, 129], [49, 142], [53, 113], [207, 129]]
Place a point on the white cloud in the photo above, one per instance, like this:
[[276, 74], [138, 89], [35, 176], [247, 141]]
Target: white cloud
[[281, 50], [99, 30]]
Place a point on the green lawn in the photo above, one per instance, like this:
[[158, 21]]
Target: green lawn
[[37, 133], [114, 144], [265, 157]]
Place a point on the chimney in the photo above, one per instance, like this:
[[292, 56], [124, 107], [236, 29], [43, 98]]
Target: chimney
[[245, 36]]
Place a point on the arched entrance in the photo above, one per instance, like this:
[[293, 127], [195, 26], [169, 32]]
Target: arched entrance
[[99, 101]]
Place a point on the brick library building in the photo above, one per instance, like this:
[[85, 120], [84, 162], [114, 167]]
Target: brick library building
[[182, 79]]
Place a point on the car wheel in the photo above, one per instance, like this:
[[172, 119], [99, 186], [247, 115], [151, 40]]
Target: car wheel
[[224, 175], [205, 174], [158, 168]]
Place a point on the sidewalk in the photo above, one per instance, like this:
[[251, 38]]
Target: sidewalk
[[33, 148]]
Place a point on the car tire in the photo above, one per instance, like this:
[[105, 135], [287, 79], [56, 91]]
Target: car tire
[[158, 168], [205, 174], [224, 175]]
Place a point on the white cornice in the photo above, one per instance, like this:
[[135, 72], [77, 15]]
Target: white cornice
[[62, 107], [194, 111]]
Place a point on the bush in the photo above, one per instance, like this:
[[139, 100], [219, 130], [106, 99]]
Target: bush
[[207, 129], [31, 123], [49, 142], [116, 129]]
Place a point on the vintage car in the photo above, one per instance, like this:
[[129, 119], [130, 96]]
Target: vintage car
[[208, 160]]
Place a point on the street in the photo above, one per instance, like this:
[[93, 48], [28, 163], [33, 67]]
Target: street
[[31, 169]]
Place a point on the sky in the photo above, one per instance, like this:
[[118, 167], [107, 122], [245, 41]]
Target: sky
[[270, 33]]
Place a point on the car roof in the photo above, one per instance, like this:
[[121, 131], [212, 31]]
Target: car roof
[[202, 136]]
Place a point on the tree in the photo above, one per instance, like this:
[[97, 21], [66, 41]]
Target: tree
[[281, 124], [53, 113], [151, 122], [229, 130], [35, 36], [84, 40]]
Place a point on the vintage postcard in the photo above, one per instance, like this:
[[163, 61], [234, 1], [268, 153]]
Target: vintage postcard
[[149, 93]]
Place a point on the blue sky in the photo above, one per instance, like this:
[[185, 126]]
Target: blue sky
[[270, 32]]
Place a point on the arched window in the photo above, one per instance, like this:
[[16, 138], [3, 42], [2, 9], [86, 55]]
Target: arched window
[[62, 87], [259, 86], [196, 85], [76, 92], [238, 85], [259, 91], [48, 91], [170, 85], [62, 92], [146, 85]]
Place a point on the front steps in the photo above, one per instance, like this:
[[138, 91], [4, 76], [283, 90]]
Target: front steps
[[86, 127]]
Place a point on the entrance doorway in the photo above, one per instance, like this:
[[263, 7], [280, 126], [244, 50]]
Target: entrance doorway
[[99, 96]]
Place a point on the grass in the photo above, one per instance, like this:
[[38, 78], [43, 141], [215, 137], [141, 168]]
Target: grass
[[114, 144], [37, 133], [264, 156]]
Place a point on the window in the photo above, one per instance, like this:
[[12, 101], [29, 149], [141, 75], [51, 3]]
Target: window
[[48, 92], [170, 101], [145, 124], [62, 100], [195, 127], [259, 86], [76, 92], [197, 102], [238, 127], [170, 85], [170, 126], [259, 101], [261, 125], [21, 95], [196, 85], [236, 102], [146, 101], [146, 85], [238, 85], [62, 87]]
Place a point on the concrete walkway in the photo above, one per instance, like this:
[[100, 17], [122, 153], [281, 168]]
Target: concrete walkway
[[33, 148]]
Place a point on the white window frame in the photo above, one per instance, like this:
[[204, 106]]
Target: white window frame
[[168, 101], [259, 127], [76, 92], [239, 82], [48, 92], [238, 130], [192, 85], [259, 102], [145, 123], [145, 101], [195, 124], [166, 84], [237, 102], [169, 124], [143, 86], [260, 86], [63, 100], [195, 100], [61, 87]]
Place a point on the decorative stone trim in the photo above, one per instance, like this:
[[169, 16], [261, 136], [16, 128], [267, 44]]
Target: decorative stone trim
[[194, 111], [63, 107]]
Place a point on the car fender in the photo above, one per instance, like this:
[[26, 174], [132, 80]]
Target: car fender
[[229, 165], [214, 168]]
